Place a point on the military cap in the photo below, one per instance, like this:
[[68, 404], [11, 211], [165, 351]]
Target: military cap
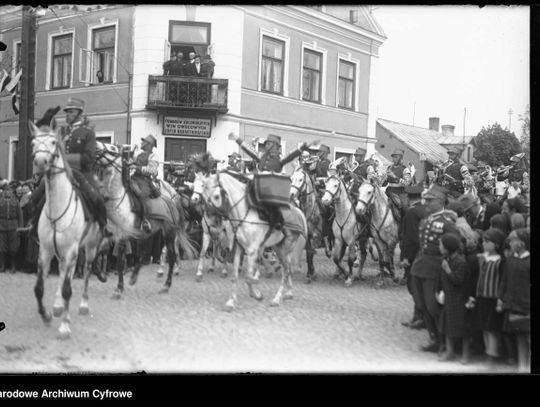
[[436, 192], [74, 103], [414, 189], [273, 138], [150, 139], [325, 148], [235, 155], [453, 150], [397, 151]]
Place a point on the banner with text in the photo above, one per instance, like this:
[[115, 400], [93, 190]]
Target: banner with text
[[186, 126]]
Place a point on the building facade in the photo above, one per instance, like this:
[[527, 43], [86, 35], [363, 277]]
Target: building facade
[[302, 73]]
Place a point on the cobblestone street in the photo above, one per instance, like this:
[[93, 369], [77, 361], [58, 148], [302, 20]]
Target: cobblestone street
[[325, 328]]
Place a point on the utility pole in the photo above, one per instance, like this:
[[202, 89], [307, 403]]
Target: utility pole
[[510, 112], [23, 165], [414, 112]]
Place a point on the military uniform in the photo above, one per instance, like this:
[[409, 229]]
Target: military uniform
[[11, 218], [427, 265], [455, 175]]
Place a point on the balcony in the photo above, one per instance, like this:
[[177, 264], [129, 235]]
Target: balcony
[[187, 93]]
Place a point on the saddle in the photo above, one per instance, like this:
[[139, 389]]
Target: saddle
[[395, 207]]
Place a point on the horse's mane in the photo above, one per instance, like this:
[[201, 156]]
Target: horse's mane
[[54, 131], [203, 162]]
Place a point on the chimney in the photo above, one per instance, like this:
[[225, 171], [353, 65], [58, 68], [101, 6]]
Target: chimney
[[447, 129], [434, 123]]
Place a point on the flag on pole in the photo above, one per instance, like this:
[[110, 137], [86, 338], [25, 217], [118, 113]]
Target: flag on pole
[[11, 84]]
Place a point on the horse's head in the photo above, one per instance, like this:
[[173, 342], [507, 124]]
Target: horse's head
[[45, 145], [366, 194], [198, 188], [332, 190], [298, 183], [209, 188]]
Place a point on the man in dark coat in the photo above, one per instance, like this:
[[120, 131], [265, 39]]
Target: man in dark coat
[[427, 265], [80, 146], [410, 246], [455, 175], [321, 171], [11, 218]]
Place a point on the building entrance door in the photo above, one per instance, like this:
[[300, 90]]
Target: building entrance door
[[180, 149]]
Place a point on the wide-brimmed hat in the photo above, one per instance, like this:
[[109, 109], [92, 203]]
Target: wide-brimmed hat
[[453, 150], [150, 139], [360, 151], [74, 103], [397, 151], [436, 192], [274, 139], [324, 148]]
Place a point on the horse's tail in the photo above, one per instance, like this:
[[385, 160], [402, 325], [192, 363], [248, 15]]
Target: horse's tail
[[182, 238], [126, 230]]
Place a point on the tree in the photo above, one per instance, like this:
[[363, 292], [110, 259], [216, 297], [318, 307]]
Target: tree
[[495, 145], [525, 139]]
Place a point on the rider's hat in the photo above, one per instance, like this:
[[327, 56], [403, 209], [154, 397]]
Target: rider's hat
[[274, 139], [74, 103], [454, 150], [436, 192], [414, 189], [150, 140], [324, 148], [397, 151], [235, 155], [360, 151]]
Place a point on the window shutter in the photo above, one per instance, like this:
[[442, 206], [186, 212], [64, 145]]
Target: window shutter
[[167, 51], [86, 59]]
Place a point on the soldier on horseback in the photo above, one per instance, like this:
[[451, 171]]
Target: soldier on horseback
[[454, 175], [398, 176], [270, 161], [142, 181], [80, 144]]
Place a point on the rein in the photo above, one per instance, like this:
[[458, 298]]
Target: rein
[[370, 203], [351, 210]]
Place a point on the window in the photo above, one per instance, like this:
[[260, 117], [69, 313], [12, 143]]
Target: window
[[103, 40], [311, 77], [61, 61], [272, 65], [346, 84], [189, 36]]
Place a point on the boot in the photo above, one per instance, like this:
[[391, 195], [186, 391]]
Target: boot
[[12, 258], [432, 345], [2, 262]]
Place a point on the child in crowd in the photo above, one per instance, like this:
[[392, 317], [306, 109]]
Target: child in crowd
[[452, 283], [514, 296], [488, 320], [517, 221], [501, 222]]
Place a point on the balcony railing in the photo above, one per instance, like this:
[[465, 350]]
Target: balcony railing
[[187, 92]]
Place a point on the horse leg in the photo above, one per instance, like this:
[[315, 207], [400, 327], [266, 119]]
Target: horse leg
[[231, 302], [363, 257], [370, 246], [310, 253], [120, 264], [215, 243], [44, 265], [252, 275], [171, 259], [89, 264], [337, 254], [295, 265], [68, 268], [202, 254], [138, 265], [350, 262]]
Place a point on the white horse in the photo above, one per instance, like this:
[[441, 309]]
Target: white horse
[[62, 228], [383, 226], [227, 193], [119, 210], [345, 227]]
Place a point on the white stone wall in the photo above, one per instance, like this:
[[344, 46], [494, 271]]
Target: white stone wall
[[151, 30]]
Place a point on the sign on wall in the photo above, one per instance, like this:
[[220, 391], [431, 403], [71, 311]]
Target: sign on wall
[[186, 126]]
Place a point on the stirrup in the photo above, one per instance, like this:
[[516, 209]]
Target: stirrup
[[146, 226]]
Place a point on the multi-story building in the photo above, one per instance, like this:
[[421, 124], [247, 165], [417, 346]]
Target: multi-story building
[[302, 73]]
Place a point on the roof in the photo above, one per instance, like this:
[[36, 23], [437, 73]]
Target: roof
[[419, 139], [454, 140]]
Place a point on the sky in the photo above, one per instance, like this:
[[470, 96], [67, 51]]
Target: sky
[[438, 61]]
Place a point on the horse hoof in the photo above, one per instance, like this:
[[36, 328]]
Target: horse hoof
[[198, 278], [132, 280], [57, 311], [47, 318], [328, 253], [164, 290], [84, 311], [288, 296], [224, 274], [176, 271], [116, 295], [252, 280], [275, 303], [348, 283], [211, 270], [64, 335], [229, 306]]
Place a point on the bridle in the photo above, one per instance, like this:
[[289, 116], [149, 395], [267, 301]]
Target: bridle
[[370, 200], [110, 158]]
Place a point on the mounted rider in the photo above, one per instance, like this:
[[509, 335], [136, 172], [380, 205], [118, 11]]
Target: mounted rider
[[398, 176], [454, 175], [270, 161], [485, 184], [365, 169], [80, 147], [142, 181]]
